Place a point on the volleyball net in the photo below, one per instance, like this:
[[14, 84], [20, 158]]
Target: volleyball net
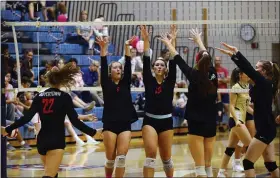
[[52, 41]]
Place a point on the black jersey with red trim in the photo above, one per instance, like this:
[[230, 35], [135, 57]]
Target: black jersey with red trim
[[118, 105], [261, 95], [52, 105], [158, 96], [199, 107]]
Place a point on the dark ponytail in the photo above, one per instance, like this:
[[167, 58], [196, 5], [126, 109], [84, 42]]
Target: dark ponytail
[[235, 76]]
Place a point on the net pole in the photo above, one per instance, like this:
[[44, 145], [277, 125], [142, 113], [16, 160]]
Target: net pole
[[38, 57], [17, 57]]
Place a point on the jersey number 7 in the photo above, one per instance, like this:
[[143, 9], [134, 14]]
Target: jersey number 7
[[48, 103]]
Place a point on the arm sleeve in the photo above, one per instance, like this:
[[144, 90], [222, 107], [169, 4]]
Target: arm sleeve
[[26, 118], [147, 73], [104, 70], [127, 70], [247, 68], [171, 78], [73, 117], [185, 68]]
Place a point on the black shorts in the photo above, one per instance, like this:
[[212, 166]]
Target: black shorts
[[204, 129], [44, 146], [117, 127], [225, 98], [231, 123], [160, 125], [267, 136], [249, 117]]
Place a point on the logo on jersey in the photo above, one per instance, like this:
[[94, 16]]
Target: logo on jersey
[[158, 90], [118, 89]]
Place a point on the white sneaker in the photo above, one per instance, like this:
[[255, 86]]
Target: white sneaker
[[237, 166], [80, 142], [222, 173], [92, 141]]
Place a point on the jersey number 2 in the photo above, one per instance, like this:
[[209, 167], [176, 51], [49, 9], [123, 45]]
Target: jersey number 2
[[48, 103]]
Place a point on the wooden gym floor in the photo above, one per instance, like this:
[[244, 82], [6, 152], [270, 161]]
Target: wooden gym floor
[[89, 161]]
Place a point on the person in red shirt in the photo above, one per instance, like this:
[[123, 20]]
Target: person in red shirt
[[223, 80]]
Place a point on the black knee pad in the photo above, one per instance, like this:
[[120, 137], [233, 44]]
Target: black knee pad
[[248, 164], [229, 151], [271, 166]]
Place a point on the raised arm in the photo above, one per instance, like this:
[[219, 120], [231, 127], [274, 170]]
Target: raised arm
[[26, 118], [242, 63], [73, 117], [147, 73], [127, 65], [103, 43], [177, 58]]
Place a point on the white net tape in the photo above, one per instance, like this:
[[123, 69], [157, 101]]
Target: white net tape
[[227, 25]]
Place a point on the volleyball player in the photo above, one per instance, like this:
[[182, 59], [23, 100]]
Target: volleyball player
[[53, 105], [119, 112], [201, 106], [157, 129], [266, 79], [238, 107]]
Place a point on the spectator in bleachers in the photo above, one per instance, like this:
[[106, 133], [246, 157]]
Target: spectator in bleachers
[[14, 74], [91, 74], [48, 66], [10, 113], [27, 61], [61, 12], [136, 62], [91, 77], [54, 9], [165, 54], [40, 5], [100, 30], [17, 5], [85, 32], [8, 60], [223, 80], [180, 102]]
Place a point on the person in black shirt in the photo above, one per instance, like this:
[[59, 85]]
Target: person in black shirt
[[201, 107], [157, 129], [266, 79], [52, 105], [119, 112]]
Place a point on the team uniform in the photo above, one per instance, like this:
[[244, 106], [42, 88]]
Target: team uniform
[[261, 94], [200, 111], [158, 106], [119, 112], [52, 105], [241, 104]]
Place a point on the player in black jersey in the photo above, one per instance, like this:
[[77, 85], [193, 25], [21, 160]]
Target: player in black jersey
[[157, 129], [266, 79], [53, 105], [119, 112], [201, 106]]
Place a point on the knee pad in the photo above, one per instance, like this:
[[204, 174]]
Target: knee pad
[[120, 161], [109, 163], [200, 171], [229, 151], [167, 164], [271, 166], [150, 162], [248, 164]]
